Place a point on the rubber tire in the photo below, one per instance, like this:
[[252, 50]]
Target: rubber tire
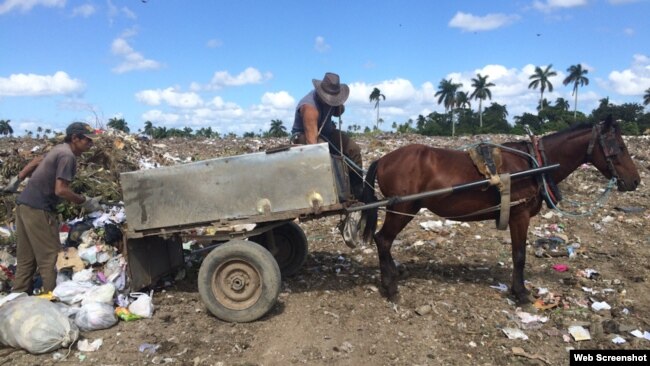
[[258, 260], [292, 244]]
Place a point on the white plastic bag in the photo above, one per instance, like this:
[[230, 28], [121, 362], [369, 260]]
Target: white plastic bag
[[84, 275], [70, 292], [36, 325], [95, 316], [102, 293], [143, 304]]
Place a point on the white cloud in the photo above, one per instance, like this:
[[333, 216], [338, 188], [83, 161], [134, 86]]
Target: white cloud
[[27, 5], [159, 117], [249, 76], [320, 45], [214, 43], [632, 81], [629, 31], [169, 96], [84, 11], [280, 100], [473, 23], [114, 12], [550, 5], [131, 59], [37, 85]]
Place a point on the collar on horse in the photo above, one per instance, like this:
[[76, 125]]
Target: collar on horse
[[550, 191]]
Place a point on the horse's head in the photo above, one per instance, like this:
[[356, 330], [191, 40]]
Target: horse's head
[[610, 155]]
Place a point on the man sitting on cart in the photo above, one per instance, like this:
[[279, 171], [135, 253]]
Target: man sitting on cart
[[313, 124]]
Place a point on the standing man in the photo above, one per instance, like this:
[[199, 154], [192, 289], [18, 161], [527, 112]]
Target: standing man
[[37, 227], [313, 122]]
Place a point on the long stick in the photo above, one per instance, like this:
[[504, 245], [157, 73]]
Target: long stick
[[452, 189]]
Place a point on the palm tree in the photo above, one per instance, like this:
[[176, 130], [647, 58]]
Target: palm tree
[[462, 100], [148, 128], [447, 96], [541, 79], [118, 124], [481, 92], [578, 78], [375, 96], [277, 128], [646, 97], [5, 127], [562, 104]]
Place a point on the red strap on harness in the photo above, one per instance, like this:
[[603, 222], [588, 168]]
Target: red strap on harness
[[540, 162]]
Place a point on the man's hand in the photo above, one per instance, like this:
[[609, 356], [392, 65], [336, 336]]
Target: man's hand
[[92, 204], [12, 186]]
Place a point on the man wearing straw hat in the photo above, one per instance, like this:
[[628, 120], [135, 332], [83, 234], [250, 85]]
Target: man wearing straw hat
[[313, 123]]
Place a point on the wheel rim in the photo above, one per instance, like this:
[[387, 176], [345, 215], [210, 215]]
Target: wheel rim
[[236, 284]]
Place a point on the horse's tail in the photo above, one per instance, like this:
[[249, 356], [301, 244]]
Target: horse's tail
[[369, 216]]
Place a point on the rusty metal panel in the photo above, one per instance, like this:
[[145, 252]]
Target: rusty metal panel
[[152, 258], [300, 177]]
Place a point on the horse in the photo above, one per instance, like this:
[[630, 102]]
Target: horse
[[419, 168]]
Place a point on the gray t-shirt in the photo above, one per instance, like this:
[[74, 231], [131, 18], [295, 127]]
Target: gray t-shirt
[[59, 163], [324, 115]]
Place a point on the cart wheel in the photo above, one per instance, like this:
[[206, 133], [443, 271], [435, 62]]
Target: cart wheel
[[288, 246], [239, 282]]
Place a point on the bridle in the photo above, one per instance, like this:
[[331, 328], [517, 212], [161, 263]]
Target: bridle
[[609, 145]]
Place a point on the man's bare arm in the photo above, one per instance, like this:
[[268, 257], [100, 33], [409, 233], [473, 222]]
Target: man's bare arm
[[310, 122]]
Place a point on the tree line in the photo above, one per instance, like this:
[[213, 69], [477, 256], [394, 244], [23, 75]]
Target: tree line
[[459, 118]]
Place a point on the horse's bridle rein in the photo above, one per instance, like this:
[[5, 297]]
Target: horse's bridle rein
[[608, 143]]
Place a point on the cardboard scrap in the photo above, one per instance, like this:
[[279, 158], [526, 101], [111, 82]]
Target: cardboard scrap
[[69, 258]]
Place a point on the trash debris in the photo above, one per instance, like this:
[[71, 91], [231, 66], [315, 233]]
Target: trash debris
[[143, 305], [95, 316], [600, 305], [514, 333], [518, 351], [148, 348], [618, 340], [84, 346], [530, 320], [35, 325], [588, 273], [637, 333], [501, 287], [560, 267], [579, 333], [124, 314], [423, 310], [630, 209]]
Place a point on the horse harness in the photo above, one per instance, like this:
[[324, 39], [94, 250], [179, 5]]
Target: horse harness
[[487, 160], [608, 143]]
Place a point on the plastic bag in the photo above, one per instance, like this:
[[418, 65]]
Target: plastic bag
[[95, 316], [35, 325], [71, 292], [103, 294], [143, 304], [83, 275]]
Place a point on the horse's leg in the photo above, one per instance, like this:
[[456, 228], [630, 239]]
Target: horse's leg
[[518, 234], [384, 240]]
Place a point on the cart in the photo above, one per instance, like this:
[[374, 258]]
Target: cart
[[251, 203]]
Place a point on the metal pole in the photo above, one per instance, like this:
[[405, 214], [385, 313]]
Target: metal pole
[[452, 189]]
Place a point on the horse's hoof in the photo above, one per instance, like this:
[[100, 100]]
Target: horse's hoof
[[524, 298]]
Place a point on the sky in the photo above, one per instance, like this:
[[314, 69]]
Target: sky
[[236, 65]]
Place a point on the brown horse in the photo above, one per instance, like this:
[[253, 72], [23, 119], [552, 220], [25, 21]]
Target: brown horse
[[418, 168]]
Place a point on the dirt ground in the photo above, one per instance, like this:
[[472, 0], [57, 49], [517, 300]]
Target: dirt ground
[[332, 313]]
